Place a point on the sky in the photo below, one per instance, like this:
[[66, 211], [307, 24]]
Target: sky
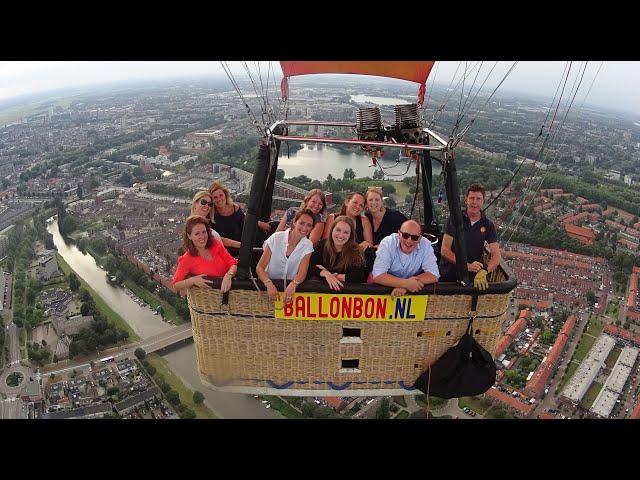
[[617, 84]]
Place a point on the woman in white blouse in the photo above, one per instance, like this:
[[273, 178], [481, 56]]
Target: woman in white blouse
[[286, 256]]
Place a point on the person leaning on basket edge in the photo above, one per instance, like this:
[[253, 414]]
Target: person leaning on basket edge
[[478, 229], [405, 261], [204, 256], [286, 256]]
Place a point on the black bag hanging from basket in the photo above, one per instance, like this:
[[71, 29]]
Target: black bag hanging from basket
[[464, 370]]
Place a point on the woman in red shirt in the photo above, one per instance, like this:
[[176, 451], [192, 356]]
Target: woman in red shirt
[[203, 256]]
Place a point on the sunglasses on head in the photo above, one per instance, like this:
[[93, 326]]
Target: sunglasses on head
[[406, 236], [204, 202]]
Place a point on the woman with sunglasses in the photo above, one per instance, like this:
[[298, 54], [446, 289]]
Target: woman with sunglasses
[[203, 256], [405, 261], [352, 207], [202, 205], [315, 202], [337, 258], [286, 256], [384, 220]]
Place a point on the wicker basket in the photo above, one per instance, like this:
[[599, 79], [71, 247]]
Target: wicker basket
[[241, 347]]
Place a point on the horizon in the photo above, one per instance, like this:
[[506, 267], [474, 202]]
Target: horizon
[[22, 81]]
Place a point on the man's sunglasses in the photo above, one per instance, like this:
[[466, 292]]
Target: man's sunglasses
[[204, 202], [407, 236]]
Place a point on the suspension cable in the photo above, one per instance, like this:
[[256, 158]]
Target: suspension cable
[[564, 135], [541, 148], [252, 117]]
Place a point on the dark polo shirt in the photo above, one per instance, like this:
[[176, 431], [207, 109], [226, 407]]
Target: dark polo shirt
[[475, 236]]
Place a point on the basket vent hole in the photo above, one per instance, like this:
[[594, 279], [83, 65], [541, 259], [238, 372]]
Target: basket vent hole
[[351, 363], [478, 331], [448, 333], [419, 334], [416, 365], [351, 332]]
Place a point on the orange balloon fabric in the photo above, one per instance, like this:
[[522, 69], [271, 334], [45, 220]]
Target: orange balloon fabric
[[414, 71]]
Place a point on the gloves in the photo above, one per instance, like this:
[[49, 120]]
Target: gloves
[[480, 281]]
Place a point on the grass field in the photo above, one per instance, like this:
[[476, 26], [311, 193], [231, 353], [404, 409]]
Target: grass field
[[402, 190], [186, 395], [153, 300], [573, 366], [476, 404], [591, 395], [401, 414], [111, 316]]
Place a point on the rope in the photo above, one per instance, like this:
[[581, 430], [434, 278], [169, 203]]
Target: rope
[[561, 125], [534, 170], [437, 113], [464, 131], [252, 117], [543, 144]]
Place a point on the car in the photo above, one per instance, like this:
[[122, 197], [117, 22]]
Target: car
[[268, 405], [264, 401], [465, 409], [472, 413]]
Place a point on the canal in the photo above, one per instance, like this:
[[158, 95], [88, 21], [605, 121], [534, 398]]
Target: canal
[[181, 360]]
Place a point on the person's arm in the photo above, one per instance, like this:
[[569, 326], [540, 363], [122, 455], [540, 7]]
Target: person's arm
[[327, 226], [197, 280], [298, 278], [261, 272], [367, 233], [228, 242], [316, 233], [496, 257], [283, 224], [446, 251], [264, 226]]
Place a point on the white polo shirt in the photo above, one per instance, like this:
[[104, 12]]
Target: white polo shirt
[[281, 267]]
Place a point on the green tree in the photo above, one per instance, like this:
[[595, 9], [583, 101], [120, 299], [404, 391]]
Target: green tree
[[383, 409], [173, 397], [198, 397], [349, 174], [140, 353], [74, 283]]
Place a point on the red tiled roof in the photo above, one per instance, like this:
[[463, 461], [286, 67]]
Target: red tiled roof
[[524, 408], [583, 232], [635, 413], [546, 416], [334, 402]]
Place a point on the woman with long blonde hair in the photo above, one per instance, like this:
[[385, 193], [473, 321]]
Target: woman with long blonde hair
[[314, 201]]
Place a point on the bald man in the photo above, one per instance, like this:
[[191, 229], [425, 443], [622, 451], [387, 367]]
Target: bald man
[[405, 261]]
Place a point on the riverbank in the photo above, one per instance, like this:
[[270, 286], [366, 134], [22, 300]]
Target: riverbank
[[186, 395], [110, 315]]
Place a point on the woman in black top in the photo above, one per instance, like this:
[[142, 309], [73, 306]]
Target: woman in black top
[[352, 207], [338, 259], [227, 218], [384, 221]]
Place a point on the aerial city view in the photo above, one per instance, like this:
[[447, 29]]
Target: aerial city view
[[274, 240]]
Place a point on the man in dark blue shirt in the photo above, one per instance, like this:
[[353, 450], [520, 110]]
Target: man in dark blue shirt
[[478, 229]]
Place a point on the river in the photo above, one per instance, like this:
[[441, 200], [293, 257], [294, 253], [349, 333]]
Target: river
[[181, 360], [317, 160]]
